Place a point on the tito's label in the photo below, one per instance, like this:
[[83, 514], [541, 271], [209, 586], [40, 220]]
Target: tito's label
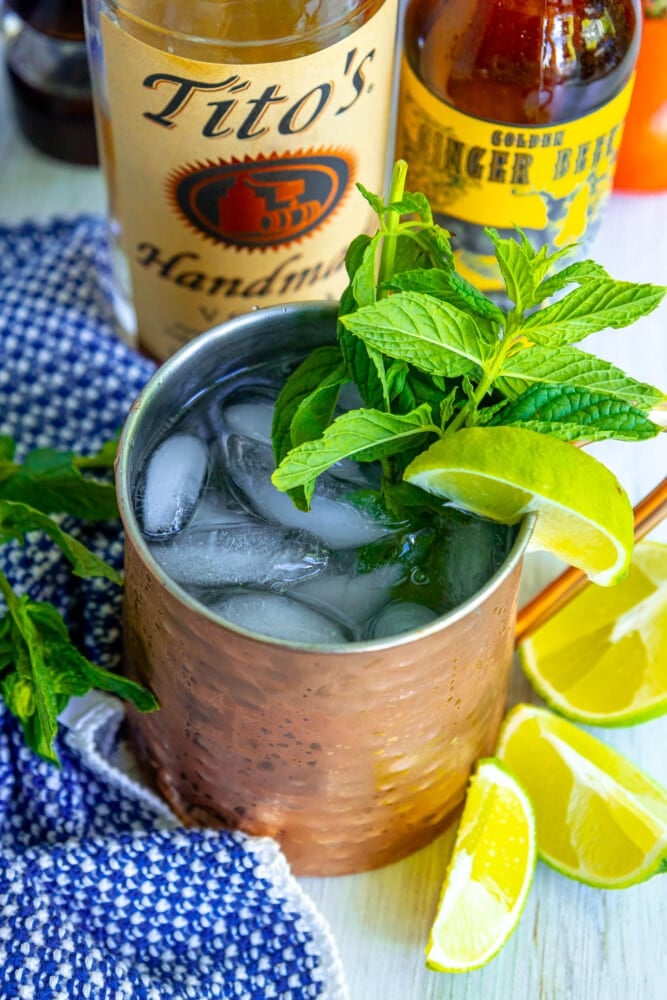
[[552, 181], [235, 184]]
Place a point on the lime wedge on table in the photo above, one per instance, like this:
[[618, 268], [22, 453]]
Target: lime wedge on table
[[599, 819], [584, 515], [489, 873], [602, 660]]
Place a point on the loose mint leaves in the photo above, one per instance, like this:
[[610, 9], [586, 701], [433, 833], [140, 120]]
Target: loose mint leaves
[[40, 668], [53, 481], [430, 354], [16, 519]]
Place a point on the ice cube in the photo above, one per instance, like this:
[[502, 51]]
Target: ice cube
[[358, 474], [218, 510], [472, 552], [256, 553], [400, 616], [353, 597], [252, 418], [172, 484], [333, 517], [280, 617]]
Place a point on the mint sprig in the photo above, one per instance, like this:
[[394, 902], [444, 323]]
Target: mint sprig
[[417, 338], [40, 668]]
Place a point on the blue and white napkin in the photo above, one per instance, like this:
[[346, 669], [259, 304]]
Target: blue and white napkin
[[103, 894]]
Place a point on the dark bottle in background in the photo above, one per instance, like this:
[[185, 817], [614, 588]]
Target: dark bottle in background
[[47, 65]]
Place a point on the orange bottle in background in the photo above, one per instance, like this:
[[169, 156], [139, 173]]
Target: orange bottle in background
[[642, 158], [511, 114]]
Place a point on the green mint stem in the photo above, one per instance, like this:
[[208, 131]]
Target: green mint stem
[[392, 220], [485, 384]]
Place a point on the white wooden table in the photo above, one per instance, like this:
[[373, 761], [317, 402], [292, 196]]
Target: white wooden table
[[573, 943]]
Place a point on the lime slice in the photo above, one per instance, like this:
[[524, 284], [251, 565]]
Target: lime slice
[[602, 660], [600, 820], [489, 873], [584, 515]]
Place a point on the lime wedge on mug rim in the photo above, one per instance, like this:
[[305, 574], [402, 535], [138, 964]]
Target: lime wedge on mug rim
[[503, 473]]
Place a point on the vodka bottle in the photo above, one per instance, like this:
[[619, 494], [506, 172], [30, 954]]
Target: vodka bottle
[[232, 134]]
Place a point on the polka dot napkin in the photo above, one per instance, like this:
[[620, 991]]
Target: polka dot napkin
[[103, 894]]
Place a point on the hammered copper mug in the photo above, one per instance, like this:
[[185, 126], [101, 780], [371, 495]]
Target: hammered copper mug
[[351, 756]]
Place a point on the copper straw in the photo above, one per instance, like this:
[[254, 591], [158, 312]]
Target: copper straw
[[648, 513]]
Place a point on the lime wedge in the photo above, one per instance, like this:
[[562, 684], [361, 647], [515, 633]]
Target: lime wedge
[[599, 819], [503, 473], [602, 660], [489, 873]]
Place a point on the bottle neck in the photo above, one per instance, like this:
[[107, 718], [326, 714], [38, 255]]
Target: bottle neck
[[521, 62], [244, 25]]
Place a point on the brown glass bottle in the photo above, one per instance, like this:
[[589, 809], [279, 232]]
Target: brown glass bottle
[[47, 66], [58, 18], [556, 74]]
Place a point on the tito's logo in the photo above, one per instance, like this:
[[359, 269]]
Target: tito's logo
[[261, 203]]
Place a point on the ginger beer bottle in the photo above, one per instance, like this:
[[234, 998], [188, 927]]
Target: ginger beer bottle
[[232, 134], [511, 114]]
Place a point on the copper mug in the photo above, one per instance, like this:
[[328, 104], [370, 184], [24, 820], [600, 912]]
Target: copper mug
[[351, 756]]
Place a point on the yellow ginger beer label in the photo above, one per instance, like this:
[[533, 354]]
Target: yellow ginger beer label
[[234, 184], [552, 181]]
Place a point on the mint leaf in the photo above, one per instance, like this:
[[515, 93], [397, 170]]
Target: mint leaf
[[306, 404], [40, 670], [433, 336], [102, 459], [365, 435], [359, 366], [580, 272], [570, 366], [573, 414], [436, 243], [449, 287], [308, 386], [409, 204], [363, 280], [411, 254], [7, 449], [515, 267], [316, 411], [16, 519], [374, 200], [413, 203], [522, 268], [596, 305], [51, 482]]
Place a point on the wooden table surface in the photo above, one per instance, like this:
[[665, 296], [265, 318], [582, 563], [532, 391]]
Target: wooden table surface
[[573, 942]]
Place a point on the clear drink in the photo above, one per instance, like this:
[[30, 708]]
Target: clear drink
[[348, 570]]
